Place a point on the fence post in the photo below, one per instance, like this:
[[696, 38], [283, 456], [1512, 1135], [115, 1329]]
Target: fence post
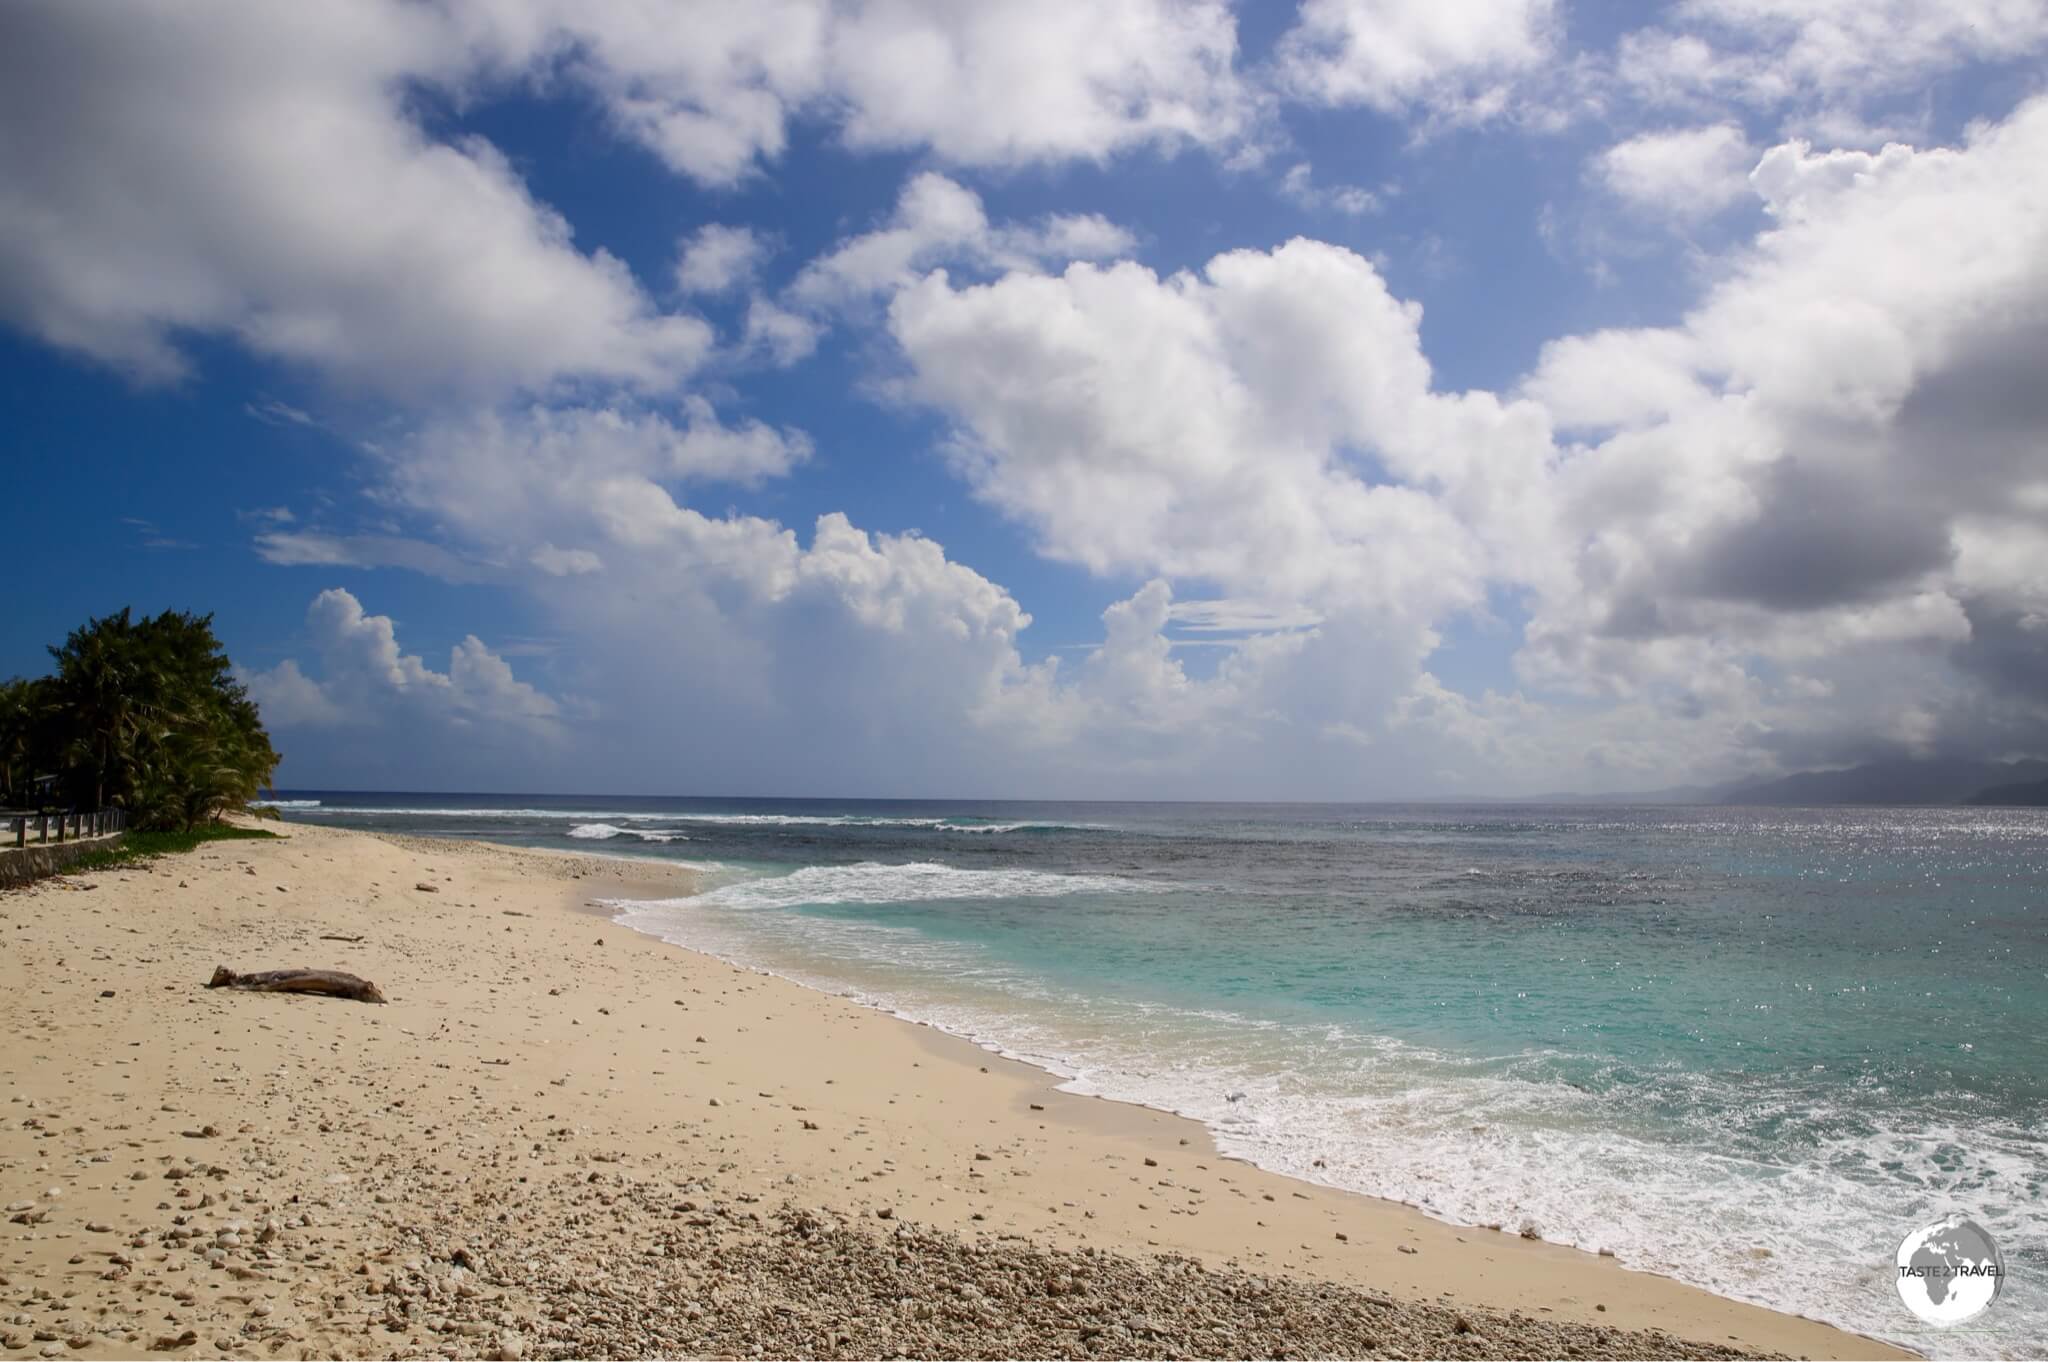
[[21, 831]]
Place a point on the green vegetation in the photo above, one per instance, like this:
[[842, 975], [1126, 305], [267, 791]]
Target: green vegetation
[[141, 846], [144, 715]]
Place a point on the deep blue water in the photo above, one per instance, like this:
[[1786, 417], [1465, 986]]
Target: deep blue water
[[1750, 1048]]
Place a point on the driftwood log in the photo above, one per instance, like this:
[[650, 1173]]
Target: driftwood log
[[331, 982]]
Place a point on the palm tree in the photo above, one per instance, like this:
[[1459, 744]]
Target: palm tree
[[96, 687], [147, 714], [22, 704]]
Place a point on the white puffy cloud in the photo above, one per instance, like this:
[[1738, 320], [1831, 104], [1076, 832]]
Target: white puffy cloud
[[1268, 425], [1458, 60], [937, 220], [1268, 428], [1828, 463], [1808, 513], [1822, 61], [778, 334], [1002, 83], [255, 174], [288, 698], [717, 258], [1795, 182], [1044, 80], [365, 677], [1680, 174], [1801, 526], [1793, 473], [265, 176], [504, 476]]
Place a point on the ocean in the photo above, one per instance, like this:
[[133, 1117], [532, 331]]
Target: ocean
[[1748, 1048]]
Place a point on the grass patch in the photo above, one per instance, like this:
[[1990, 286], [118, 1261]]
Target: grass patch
[[140, 846]]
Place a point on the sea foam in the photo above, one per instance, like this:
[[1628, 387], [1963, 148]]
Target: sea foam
[[600, 832], [912, 882]]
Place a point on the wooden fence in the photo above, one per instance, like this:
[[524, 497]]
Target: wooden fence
[[66, 827]]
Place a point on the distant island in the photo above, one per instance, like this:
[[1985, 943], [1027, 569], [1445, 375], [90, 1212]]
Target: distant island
[[2032, 793], [1903, 781], [1930, 781]]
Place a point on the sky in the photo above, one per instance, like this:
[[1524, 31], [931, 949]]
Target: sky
[[1369, 399]]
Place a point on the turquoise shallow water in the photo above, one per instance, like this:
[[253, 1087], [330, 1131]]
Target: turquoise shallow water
[[1749, 1048]]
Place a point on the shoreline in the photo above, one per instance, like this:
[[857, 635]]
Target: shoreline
[[524, 1043], [967, 1051]]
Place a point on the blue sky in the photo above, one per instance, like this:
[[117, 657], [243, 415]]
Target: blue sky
[[1369, 399]]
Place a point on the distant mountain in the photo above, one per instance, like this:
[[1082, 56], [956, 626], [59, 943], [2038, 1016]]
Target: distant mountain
[[2031, 792], [1675, 794], [1939, 781]]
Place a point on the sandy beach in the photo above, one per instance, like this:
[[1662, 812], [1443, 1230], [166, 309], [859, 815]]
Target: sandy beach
[[562, 1137]]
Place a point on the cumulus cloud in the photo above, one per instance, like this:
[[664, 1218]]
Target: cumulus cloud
[[256, 175], [778, 334], [1393, 55], [1803, 521], [1821, 63], [1268, 425], [264, 177], [1007, 83], [1811, 472], [863, 653], [288, 698], [500, 476], [717, 258], [937, 220], [1680, 174], [1807, 468], [366, 679], [1799, 525]]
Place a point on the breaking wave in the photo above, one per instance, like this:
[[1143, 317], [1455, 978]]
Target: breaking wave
[[600, 832]]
